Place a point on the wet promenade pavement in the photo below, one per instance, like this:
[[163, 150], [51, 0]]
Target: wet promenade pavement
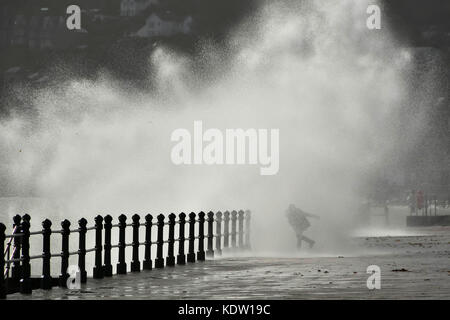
[[419, 269]]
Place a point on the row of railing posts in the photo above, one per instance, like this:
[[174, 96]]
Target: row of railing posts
[[181, 257], [147, 265], [21, 260]]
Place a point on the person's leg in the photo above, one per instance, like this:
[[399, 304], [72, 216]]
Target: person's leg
[[299, 240], [310, 241]]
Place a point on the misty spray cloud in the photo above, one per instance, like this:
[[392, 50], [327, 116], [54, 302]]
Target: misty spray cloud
[[314, 74]]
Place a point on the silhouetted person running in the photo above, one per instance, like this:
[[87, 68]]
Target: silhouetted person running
[[298, 220]]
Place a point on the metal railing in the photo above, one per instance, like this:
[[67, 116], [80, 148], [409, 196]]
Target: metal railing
[[430, 205], [18, 278]]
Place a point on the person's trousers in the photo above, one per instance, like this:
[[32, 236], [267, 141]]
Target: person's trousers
[[300, 238]]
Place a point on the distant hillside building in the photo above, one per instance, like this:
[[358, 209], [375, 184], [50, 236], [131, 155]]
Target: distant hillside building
[[43, 31], [131, 8], [5, 27], [165, 24], [19, 30]]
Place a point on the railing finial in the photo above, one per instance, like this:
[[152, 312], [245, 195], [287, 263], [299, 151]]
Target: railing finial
[[159, 262], [181, 257], [46, 280], [107, 266], [82, 223], [121, 265], [170, 260], [16, 271], [147, 265], [98, 269], [210, 237], [64, 253], [135, 263], [219, 233], [191, 253], [201, 236]]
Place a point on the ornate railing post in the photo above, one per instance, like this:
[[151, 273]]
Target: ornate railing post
[[82, 230], [148, 243], [170, 260], [26, 217], [248, 216], [121, 265], [181, 258], [241, 229], [159, 262], [210, 251], [191, 253], [25, 282], [16, 270], [65, 232], [98, 269], [46, 279], [135, 263], [226, 230], [201, 236], [233, 228], [218, 233], [107, 266], [2, 262]]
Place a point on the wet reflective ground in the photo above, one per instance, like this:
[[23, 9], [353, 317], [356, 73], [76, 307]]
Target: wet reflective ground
[[412, 267]]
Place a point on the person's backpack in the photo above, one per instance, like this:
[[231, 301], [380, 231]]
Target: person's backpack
[[303, 222], [298, 220]]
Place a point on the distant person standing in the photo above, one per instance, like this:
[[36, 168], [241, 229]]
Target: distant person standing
[[412, 202], [386, 211], [299, 222], [419, 198]]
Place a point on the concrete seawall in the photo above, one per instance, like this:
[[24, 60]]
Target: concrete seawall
[[426, 221]]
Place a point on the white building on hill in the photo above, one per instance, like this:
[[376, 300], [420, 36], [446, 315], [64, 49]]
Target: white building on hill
[[131, 8], [165, 24]]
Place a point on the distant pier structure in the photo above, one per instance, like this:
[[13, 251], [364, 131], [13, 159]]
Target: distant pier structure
[[426, 211]]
